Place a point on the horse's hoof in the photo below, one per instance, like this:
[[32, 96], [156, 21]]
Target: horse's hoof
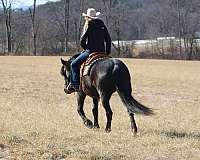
[[108, 130], [88, 123], [96, 127], [134, 133]]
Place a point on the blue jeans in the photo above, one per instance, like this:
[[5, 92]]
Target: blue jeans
[[75, 65]]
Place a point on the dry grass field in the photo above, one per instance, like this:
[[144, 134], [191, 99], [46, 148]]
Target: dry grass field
[[39, 121]]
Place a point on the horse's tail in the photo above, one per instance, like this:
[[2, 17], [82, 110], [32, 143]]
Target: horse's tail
[[123, 85], [133, 105]]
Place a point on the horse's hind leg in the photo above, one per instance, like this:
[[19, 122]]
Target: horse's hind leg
[[95, 112], [133, 123], [105, 101], [80, 99]]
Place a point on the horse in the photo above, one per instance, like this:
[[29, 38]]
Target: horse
[[106, 76]]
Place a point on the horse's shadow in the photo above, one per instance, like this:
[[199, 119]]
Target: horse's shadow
[[176, 134]]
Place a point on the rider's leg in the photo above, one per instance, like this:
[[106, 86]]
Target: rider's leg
[[75, 73], [75, 55]]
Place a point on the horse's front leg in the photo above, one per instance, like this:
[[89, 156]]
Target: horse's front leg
[[80, 100], [95, 112]]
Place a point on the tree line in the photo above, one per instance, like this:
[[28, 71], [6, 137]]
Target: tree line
[[55, 27]]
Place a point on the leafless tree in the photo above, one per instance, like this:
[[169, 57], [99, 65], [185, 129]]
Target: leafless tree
[[7, 9], [62, 23], [113, 17], [34, 23], [78, 24], [67, 7], [179, 26]]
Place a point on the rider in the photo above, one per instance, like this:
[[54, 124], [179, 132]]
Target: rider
[[94, 35]]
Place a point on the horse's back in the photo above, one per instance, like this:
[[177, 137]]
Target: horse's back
[[106, 73], [102, 67], [111, 68]]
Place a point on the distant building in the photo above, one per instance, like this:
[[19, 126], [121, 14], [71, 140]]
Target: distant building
[[165, 38], [123, 43], [197, 35]]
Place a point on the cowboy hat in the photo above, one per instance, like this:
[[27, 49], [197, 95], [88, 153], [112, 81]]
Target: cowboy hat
[[91, 13]]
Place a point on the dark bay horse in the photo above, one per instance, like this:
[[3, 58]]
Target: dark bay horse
[[106, 76]]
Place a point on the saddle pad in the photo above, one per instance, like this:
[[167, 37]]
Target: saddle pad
[[87, 67], [94, 57]]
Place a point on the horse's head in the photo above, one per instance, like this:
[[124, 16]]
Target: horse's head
[[65, 72]]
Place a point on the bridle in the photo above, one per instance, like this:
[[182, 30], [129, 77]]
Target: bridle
[[66, 75]]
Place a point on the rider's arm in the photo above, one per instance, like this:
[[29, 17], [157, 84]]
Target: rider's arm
[[108, 41], [84, 40]]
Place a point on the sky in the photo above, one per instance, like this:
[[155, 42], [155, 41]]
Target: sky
[[27, 3]]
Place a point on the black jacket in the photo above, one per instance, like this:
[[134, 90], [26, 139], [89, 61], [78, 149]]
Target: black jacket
[[95, 36]]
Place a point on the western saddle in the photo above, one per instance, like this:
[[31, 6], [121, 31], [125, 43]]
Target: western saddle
[[86, 66]]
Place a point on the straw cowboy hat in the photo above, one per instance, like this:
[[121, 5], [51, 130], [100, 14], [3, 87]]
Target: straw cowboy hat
[[91, 13]]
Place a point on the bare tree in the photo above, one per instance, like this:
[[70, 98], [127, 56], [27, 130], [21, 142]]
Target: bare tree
[[117, 30], [78, 24], [188, 24], [66, 24], [34, 27], [108, 6], [113, 21], [2, 34], [179, 26], [7, 15], [21, 32]]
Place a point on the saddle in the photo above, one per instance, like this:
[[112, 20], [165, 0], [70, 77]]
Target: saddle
[[93, 57], [90, 61]]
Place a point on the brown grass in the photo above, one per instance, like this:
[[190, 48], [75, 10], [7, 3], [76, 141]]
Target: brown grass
[[38, 121]]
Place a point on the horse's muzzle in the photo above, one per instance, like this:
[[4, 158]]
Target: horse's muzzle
[[66, 90]]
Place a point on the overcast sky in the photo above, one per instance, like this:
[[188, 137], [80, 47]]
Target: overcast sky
[[27, 3]]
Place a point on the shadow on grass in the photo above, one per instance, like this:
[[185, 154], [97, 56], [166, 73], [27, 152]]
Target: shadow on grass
[[98, 157], [2, 146], [176, 134], [106, 157]]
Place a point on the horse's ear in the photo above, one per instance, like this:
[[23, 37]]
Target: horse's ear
[[63, 61]]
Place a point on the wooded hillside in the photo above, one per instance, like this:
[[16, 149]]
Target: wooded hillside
[[55, 28]]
